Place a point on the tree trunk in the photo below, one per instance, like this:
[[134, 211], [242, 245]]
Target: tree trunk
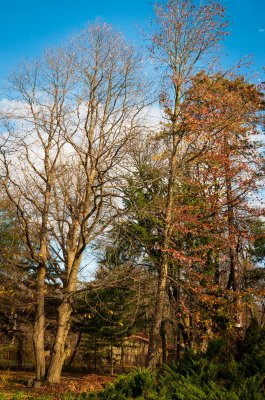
[[20, 351], [163, 274], [75, 349], [122, 356], [111, 360], [163, 271], [59, 352], [233, 280], [163, 334], [185, 336], [39, 326], [158, 316], [178, 344], [95, 354]]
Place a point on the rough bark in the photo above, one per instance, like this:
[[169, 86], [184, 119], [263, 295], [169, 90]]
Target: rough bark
[[154, 339], [59, 351], [73, 355], [39, 327]]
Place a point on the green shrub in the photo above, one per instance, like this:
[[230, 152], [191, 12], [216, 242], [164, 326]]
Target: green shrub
[[139, 384], [194, 386], [253, 350], [3, 396], [219, 374], [216, 347], [252, 388]]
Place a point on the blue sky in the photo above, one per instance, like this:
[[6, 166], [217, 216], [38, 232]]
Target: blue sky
[[27, 26]]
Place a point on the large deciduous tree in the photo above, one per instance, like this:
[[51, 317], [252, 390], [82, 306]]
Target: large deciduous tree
[[67, 127]]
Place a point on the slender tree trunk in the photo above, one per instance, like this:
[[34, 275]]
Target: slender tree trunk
[[233, 273], [39, 326], [59, 352], [163, 334], [185, 336], [233, 280], [163, 270], [95, 354], [162, 284], [158, 316], [20, 351], [75, 349], [111, 360], [122, 356], [178, 344]]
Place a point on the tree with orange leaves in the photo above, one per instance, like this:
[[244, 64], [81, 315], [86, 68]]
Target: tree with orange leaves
[[213, 215], [184, 36], [218, 169]]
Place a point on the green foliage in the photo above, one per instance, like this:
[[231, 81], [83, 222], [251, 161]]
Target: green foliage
[[186, 388], [139, 384], [215, 348], [254, 341], [71, 396], [252, 388], [195, 378], [222, 373], [258, 248], [19, 396], [4, 396]]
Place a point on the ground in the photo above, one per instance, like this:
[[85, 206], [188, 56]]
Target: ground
[[13, 386]]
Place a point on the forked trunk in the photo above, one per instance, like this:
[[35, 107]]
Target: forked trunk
[[59, 352]]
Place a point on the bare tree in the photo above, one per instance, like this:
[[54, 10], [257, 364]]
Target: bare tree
[[68, 124], [30, 152]]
